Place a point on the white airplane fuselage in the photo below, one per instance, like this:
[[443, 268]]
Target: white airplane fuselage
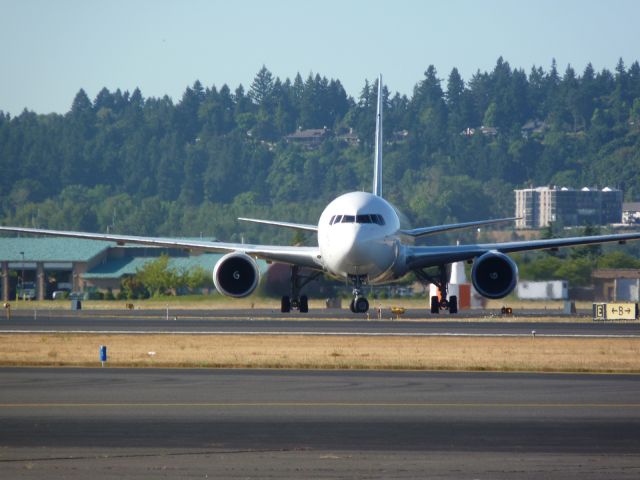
[[358, 237]]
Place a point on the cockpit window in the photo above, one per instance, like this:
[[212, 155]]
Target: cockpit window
[[373, 218], [377, 219]]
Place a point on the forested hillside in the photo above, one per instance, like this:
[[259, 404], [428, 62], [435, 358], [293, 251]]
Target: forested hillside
[[454, 150]]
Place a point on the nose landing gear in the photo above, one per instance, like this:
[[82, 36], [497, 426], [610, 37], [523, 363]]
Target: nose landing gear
[[359, 304]]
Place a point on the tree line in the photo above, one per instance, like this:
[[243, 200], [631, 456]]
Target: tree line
[[454, 150]]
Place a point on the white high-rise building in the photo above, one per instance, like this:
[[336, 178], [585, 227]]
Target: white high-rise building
[[538, 207]]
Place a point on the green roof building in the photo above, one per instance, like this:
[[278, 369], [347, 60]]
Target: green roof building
[[80, 265], [48, 263]]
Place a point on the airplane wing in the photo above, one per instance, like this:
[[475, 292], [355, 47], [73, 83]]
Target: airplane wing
[[303, 256], [295, 226], [425, 256], [421, 232]]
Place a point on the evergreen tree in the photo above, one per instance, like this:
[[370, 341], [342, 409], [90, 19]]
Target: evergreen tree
[[196, 165], [261, 89]]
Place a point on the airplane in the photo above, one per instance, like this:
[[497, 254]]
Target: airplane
[[360, 240]]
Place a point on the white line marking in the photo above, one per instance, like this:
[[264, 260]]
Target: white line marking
[[320, 334]]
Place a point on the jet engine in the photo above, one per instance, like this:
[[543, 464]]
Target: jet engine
[[494, 275], [236, 275]]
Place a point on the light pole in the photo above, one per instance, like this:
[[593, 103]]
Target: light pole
[[22, 278]]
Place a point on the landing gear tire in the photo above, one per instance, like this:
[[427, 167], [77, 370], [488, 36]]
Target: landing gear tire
[[453, 304], [435, 304], [441, 283], [285, 305], [301, 304], [359, 305], [295, 301], [304, 304]]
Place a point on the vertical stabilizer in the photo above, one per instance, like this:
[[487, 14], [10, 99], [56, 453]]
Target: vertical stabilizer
[[377, 173]]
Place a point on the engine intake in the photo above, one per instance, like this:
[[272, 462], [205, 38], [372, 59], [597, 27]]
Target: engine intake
[[236, 275], [494, 275]]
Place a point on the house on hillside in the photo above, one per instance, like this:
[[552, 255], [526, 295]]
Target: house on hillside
[[486, 131], [310, 139], [533, 127], [350, 138]]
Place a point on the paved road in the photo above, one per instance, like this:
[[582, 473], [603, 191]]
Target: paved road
[[268, 321], [316, 424]]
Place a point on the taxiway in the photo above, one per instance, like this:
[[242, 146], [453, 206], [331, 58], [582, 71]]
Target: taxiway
[[110, 423], [263, 321]]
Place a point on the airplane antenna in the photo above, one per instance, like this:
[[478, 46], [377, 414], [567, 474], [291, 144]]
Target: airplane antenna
[[377, 173]]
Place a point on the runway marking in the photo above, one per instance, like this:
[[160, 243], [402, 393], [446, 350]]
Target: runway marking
[[324, 334], [150, 455], [321, 404]]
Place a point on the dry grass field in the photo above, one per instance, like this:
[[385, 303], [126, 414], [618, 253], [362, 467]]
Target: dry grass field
[[326, 352]]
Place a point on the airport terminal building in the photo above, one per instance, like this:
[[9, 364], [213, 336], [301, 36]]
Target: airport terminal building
[[76, 265]]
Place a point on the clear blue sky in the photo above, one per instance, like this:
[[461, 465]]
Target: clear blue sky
[[50, 49]]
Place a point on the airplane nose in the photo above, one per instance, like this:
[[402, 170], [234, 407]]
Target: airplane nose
[[354, 246]]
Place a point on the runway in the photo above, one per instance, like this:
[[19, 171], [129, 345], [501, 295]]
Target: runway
[[316, 322], [317, 424]]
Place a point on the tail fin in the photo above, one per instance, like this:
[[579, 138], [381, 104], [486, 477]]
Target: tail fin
[[377, 173]]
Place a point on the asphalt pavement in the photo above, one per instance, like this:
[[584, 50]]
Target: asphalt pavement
[[114, 423], [415, 322]]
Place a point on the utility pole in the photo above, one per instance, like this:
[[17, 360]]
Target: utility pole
[[22, 278]]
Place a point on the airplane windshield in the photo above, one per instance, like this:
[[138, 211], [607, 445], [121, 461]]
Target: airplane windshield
[[373, 218]]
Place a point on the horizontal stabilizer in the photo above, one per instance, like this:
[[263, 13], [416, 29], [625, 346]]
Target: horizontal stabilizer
[[422, 232], [295, 226]]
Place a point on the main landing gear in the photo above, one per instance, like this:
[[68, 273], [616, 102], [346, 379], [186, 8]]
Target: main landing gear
[[359, 304], [297, 301], [441, 282]]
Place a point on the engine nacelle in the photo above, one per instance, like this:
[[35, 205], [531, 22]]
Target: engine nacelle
[[494, 275], [236, 275]]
